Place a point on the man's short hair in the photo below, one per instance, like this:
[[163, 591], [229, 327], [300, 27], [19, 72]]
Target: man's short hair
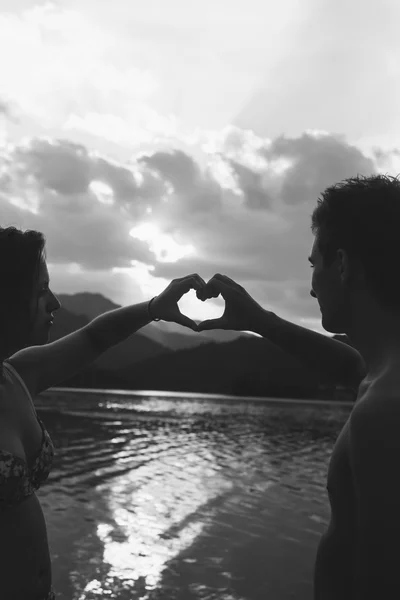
[[362, 216]]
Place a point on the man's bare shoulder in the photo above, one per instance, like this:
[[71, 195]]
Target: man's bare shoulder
[[374, 448], [377, 411]]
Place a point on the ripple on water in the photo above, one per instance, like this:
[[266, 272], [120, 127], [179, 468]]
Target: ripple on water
[[162, 499]]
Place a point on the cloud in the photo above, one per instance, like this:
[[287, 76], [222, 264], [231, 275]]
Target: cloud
[[194, 191], [46, 186], [62, 70], [60, 166], [4, 108], [251, 184], [9, 111], [387, 159], [253, 226], [339, 72], [317, 160]]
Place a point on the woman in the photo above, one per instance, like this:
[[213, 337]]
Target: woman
[[28, 366]]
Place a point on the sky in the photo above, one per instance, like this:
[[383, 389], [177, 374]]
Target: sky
[[149, 141]]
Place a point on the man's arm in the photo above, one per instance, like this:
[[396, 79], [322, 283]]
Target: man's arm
[[374, 460], [340, 362], [42, 367]]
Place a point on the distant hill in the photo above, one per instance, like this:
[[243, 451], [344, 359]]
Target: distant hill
[[170, 335], [93, 305], [66, 322], [178, 337], [244, 366], [87, 304], [136, 347]]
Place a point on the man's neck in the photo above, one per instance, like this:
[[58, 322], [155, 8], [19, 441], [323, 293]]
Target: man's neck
[[376, 336]]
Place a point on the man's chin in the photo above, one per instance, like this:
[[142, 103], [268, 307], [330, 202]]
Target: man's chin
[[326, 323], [332, 326]]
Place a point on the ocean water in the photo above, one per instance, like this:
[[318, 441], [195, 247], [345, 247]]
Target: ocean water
[[153, 496]]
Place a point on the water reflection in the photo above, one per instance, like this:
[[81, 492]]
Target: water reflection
[[156, 512], [157, 499]]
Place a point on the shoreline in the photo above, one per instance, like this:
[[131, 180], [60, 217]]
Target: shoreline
[[198, 396]]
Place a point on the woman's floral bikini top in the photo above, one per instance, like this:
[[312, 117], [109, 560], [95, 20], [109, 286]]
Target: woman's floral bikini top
[[17, 479]]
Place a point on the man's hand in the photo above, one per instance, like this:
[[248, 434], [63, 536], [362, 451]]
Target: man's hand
[[165, 306], [241, 310]]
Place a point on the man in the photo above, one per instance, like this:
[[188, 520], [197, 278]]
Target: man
[[355, 259]]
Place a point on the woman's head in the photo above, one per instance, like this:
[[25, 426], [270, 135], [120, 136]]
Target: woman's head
[[361, 215], [26, 303]]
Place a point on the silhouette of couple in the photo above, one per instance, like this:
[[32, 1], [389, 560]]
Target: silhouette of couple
[[355, 259]]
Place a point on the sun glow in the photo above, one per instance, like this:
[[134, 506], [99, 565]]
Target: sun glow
[[102, 191], [165, 248]]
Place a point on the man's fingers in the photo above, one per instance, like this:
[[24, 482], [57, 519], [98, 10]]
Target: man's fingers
[[211, 324], [232, 281], [229, 282], [213, 289]]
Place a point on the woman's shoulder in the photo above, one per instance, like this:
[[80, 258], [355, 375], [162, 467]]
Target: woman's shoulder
[[8, 401], [2, 373]]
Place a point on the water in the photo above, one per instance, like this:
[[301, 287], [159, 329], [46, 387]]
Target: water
[[186, 498]]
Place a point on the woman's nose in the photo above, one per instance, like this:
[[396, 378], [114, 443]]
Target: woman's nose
[[313, 294], [57, 303]]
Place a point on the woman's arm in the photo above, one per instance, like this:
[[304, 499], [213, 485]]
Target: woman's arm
[[42, 367]]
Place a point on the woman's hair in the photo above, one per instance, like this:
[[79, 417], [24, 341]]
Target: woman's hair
[[362, 216], [20, 256]]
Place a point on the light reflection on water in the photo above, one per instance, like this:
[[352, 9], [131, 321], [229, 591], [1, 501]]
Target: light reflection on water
[[159, 498]]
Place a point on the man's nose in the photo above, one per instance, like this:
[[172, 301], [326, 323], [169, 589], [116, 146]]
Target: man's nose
[[313, 294]]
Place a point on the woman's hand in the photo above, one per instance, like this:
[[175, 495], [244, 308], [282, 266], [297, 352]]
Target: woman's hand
[[241, 313], [165, 306]]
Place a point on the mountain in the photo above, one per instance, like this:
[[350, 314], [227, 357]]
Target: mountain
[[243, 367], [87, 304], [135, 348], [250, 366], [93, 305], [170, 335], [66, 322]]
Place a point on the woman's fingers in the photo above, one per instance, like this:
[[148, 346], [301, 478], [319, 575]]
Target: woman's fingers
[[189, 283], [185, 321], [194, 276]]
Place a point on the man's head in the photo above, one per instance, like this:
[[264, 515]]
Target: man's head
[[356, 251]]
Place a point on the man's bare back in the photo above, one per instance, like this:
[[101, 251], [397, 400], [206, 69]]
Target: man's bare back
[[334, 566]]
